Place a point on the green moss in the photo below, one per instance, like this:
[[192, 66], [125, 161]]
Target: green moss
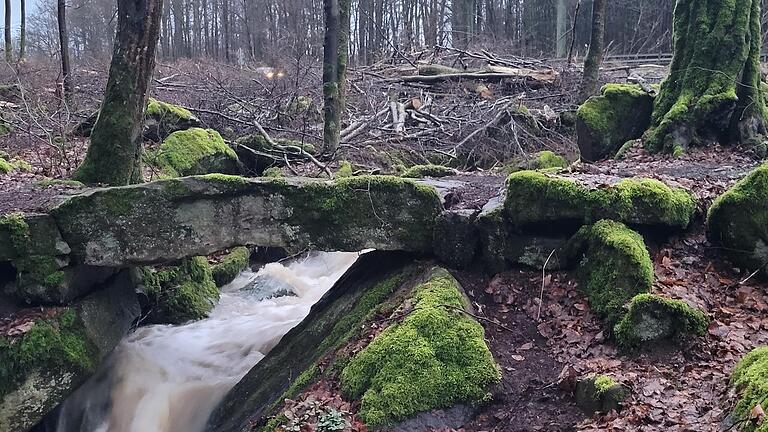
[[181, 293], [421, 171], [18, 230], [45, 271], [8, 165], [190, 152], [273, 172], [233, 263], [604, 383], [159, 109], [615, 266], [548, 159], [651, 319], [750, 378], [535, 198], [738, 221], [436, 357], [345, 170], [57, 342]]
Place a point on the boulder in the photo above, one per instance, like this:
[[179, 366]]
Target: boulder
[[537, 201], [737, 222], [543, 160], [30, 234], [652, 319], [604, 123], [58, 350], [179, 293], [599, 393], [750, 380], [192, 152], [455, 238], [160, 120], [614, 266], [175, 218], [230, 265], [434, 171]]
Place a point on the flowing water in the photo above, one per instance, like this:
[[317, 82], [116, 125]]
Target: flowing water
[[169, 378]]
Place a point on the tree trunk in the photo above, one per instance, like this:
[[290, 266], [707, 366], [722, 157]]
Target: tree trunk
[[713, 92], [66, 78], [23, 29], [114, 154], [331, 94], [562, 28], [591, 79], [8, 44]]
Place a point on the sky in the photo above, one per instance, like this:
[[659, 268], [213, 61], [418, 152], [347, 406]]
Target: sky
[[15, 15]]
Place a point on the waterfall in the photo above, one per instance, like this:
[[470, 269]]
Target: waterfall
[[165, 378]]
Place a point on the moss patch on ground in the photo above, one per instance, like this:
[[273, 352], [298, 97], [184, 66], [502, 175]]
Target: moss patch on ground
[[535, 198], [8, 164], [738, 221], [231, 265], [615, 266], [52, 343], [193, 151], [421, 171], [181, 293], [651, 319], [436, 357], [750, 378]]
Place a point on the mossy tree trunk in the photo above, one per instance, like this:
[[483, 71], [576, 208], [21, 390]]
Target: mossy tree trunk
[[113, 156], [590, 81], [713, 93], [335, 59], [7, 33], [61, 19]]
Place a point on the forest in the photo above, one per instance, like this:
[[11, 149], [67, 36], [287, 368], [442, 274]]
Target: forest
[[383, 215]]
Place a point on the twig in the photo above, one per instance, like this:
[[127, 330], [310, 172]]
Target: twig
[[543, 277]]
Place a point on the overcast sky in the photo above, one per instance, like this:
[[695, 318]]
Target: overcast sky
[[15, 16]]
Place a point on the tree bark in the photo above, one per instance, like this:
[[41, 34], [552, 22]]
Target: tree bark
[[591, 78], [713, 92], [562, 28], [66, 78], [335, 59], [8, 44], [113, 157], [23, 29]]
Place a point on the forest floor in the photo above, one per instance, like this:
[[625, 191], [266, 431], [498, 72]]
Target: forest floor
[[672, 389]]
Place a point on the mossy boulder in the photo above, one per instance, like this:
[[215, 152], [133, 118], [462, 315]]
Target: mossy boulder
[[614, 266], [30, 234], [160, 120], [737, 222], [180, 293], [604, 123], [231, 264], [170, 219], [538, 200], [435, 358], [599, 393], [8, 164], [544, 160], [750, 379], [192, 152], [456, 238], [435, 171], [60, 350], [257, 154], [652, 319]]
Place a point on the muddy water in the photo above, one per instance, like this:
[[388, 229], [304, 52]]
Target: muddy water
[[169, 378]]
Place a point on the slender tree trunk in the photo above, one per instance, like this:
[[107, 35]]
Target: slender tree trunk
[[713, 93], [66, 77], [114, 155], [8, 44], [591, 79], [225, 24], [23, 29], [562, 28], [335, 59]]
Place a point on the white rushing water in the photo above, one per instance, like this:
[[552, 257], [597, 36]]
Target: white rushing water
[[169, 378]]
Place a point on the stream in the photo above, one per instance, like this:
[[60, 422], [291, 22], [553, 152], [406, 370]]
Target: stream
[[164, 378]]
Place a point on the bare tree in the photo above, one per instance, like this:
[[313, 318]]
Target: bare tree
[[23, 29], [591, 79], [66, 79], [8, 43], [114, 154]]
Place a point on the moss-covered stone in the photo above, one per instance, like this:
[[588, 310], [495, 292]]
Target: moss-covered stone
[[436, 357], [421, 171], [750, 378], [345, 169], [182, 292], [231, 265], [544, 160], [615, 266], [738, 221], [192, 152], [8, 165], [537, 199], [599, 393], [273, 172], [42, 366], [652, 319], [604, 123]]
